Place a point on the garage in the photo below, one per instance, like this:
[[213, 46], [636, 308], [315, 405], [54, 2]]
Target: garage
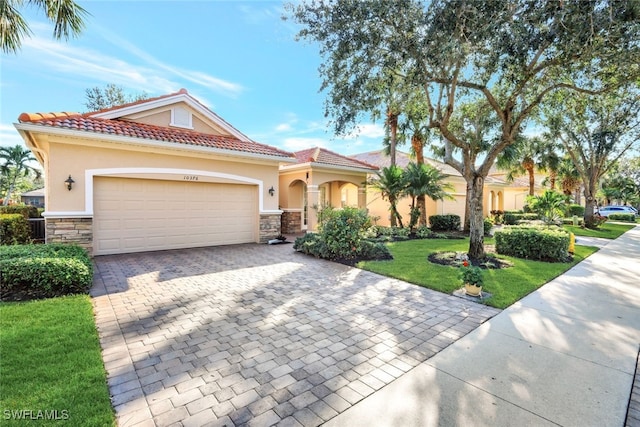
[[136, 215]]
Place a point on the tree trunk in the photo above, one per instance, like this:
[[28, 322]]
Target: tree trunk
[[590, 202], [467, 207], [417, 144], [392, 121], [532, 181], [476, 219]]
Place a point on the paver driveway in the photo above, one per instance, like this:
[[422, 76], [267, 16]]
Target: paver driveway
[[259, 335]]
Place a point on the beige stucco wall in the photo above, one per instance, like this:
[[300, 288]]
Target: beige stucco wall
[[162, 117], [74, 157]]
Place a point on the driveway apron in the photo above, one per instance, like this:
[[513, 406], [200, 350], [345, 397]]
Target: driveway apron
[[260, 335]]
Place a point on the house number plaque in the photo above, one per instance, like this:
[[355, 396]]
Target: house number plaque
[[190, 178]]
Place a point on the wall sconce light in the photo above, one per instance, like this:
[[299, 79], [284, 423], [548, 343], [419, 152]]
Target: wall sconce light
[[271, 191], [69, 181]]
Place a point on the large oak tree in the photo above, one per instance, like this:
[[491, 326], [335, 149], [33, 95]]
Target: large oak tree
[[510, 55]]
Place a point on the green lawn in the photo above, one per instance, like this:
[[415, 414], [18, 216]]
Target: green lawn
[[507, 285], [606, 231], [50, 364]]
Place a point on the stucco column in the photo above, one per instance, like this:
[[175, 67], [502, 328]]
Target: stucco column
[[313, 197], [362, 197]]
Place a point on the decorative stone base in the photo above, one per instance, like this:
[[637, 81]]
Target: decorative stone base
[[70, 230], [269, 227], [291, 222]]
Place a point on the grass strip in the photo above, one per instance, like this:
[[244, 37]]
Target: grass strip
[[51, 366], [607, 230], [507, 285]]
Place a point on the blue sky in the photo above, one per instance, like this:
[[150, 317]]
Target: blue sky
[[238, 58]]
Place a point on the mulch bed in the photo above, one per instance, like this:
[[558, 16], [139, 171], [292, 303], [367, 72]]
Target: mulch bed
[[454, 259]]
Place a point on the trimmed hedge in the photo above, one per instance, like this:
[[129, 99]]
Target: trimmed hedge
[[14, 229], [538, 243], [24, 210], [444, 222], [623, 217], [44, 271], [512, 218], [577, 210]]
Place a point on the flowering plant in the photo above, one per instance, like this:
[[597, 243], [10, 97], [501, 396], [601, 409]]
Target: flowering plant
[[470, 274]]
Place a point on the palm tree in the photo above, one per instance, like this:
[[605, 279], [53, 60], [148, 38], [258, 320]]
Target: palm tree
[[569, 176], [550, 205], [67, 16], [391, 183], [15, 164], [522, 158], [423, 180]]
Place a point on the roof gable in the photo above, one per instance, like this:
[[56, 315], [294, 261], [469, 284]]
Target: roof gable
[[323, 156], [177, 104]]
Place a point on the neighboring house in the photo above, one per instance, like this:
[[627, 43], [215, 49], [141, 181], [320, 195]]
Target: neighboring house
[[319, 178], [498, 193], [33, 198], [162, 173]]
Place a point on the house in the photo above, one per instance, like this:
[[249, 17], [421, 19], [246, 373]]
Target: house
[[162, 173], [318, 178], [169, 173], [498, 193], [33, 198]]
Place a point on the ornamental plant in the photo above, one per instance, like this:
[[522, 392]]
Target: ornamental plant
[[470, 274]]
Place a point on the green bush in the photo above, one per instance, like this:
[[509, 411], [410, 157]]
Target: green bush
[[342, 231], [539, 243], [512, 218], [44, 271], [373, 250], [444, 222], [577, 210], [423, 232], [623, 217], [487, 226], [24, 210], [311, 244], [14, 229]]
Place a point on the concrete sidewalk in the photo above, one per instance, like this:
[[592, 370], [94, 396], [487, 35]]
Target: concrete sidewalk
[[564, 355]]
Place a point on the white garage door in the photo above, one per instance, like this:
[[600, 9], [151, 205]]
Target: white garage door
[[135, 215]]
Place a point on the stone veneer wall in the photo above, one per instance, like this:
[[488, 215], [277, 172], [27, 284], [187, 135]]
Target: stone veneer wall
[[70, 230], [269, 227], [291, 222]]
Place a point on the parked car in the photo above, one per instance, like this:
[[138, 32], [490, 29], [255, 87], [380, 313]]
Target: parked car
[[608, 210]]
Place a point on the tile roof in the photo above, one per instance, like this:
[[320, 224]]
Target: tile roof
[[85, 123], [382, 160], [323, 156]]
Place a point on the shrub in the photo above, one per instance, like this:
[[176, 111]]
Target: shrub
[[44, 271], [540, 243], [576, 210], [342, 231], [311, 244], [24, 210], [423, 232], [622, 217], [487, 226], [497, 216], [444, 222], [373, 250], [512, 218], [14, 229]]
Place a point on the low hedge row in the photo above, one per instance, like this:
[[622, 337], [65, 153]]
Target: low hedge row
[[24, 210], [538, 243], [43, 271], [623, 217], [14, 229], [512, 218], [444, 222]]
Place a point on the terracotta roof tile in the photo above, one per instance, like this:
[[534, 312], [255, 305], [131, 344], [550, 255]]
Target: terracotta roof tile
[[327, 157], [381, 160], [85, 123]]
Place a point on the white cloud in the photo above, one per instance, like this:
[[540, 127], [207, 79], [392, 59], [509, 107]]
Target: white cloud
[[283, 127], [9, 136], [150, 75], [299, 143], [369, 130]]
